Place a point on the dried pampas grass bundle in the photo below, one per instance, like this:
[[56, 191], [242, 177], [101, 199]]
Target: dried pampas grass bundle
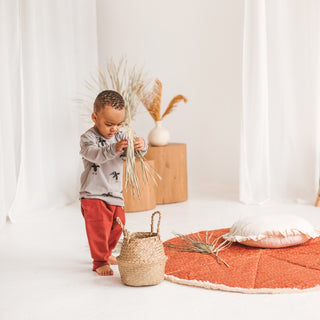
[[125, 80], [151, 99]]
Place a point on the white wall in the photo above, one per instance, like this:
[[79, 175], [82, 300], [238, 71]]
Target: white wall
[[195, 49]]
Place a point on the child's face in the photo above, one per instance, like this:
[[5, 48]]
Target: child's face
[[108, 121]]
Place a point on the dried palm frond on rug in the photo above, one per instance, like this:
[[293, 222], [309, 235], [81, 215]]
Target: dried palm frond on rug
[[196, 243]]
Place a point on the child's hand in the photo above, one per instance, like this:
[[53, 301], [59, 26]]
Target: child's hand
[[121, 145], [138, 143]]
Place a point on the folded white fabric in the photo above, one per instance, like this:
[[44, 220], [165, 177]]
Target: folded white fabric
[[271, 231]]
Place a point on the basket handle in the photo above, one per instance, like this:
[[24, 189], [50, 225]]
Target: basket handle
[[152, 218], [124, 230]]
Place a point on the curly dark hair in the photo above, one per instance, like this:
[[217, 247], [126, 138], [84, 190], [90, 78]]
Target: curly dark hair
[[108, 98]]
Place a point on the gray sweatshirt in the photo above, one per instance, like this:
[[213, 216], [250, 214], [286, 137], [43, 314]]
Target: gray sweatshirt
[[103, 167]]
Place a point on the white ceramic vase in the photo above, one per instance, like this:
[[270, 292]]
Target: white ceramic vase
[[159, 136]]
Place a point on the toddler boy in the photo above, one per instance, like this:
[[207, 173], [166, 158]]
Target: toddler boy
[[102, 148]]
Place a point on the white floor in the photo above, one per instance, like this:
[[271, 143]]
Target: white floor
[[45, 270]]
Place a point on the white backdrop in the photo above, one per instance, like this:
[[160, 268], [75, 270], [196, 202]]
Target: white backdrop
[[195, 49]]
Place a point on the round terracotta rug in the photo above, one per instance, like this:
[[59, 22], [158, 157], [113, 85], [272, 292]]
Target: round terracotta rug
[[251, 270]]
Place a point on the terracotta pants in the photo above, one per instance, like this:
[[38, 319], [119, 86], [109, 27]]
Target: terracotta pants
[[103, 231]]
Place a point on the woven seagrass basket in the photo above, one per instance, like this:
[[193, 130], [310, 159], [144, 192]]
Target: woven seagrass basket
[[142, 259]]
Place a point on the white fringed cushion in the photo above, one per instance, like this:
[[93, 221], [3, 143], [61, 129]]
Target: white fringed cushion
[[273, 231]]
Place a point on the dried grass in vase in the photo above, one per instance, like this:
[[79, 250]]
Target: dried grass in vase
[[151, 99], [125, 80]]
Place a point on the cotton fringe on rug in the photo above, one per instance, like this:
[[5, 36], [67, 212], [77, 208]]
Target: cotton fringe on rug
[[247, 269]]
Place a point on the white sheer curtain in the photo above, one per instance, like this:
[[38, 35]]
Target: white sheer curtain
[[280, 123], [10, 106], [48, 49]]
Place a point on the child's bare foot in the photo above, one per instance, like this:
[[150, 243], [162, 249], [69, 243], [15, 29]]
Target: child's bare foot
[[104, 270], [113, 260]]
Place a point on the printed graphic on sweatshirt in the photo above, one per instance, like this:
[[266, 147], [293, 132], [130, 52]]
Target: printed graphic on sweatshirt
[[115, 175], [95, 168], [101, 142]]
